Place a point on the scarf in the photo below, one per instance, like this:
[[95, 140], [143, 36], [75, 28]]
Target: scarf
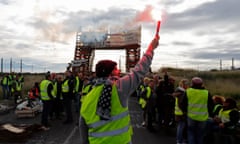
[[104, 102]]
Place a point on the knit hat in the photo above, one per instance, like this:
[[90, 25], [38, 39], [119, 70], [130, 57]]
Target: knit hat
[[197, 81], [104, 68]]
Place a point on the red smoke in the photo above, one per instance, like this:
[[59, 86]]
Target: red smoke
[[145, 15]]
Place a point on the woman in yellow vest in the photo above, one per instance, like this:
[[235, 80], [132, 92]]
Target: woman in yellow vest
[[181, 120], [228, 116], [104, 115]]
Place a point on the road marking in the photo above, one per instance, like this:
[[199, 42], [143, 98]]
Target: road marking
[[70, 135]]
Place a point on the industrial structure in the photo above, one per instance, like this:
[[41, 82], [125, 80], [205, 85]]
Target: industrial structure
[[88, 42]]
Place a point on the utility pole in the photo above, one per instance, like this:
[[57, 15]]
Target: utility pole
[[232, 64], [1, 65], [21, 66], [11, 65], [220, 64]]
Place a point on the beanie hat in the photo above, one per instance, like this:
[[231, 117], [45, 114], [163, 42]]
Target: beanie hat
[[104, 68], [197, 81]]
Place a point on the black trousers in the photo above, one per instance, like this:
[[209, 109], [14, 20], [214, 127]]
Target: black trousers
[[67, 101], [47, 106]]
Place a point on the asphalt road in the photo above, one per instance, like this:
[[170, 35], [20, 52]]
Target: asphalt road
[[69, 134]]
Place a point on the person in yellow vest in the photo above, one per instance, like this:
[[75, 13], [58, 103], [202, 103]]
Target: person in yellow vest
[[224, 126], [59, 98], [181, 136], [54, 94], [5, 87], [21, 78], [10, 81], [151, 106], [144, 96], [67, 93], [16, 89], [104, 115], [77, 90], [218, 104], [197, 104], [46, 88], [86, 88], [228, 116]]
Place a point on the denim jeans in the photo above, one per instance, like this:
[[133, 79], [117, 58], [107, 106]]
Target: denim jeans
[[196, 130], [181, 125], [6, 91]]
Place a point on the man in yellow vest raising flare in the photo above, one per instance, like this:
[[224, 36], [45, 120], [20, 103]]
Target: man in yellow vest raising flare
[[104, 115]]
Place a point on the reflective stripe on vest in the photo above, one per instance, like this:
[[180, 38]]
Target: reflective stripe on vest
[[76, 84], [197, 104], [109, 133], [116, 117], [116, 130], [216, 107]]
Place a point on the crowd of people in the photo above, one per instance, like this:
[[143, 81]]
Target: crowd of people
[[61, 96], [190, 107], [101, 102], [12, 85]]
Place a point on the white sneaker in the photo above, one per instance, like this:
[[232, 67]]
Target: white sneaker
[[144, 124], [45, 128]]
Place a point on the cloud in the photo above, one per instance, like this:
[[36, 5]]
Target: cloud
[[206, 33], [198, 31]]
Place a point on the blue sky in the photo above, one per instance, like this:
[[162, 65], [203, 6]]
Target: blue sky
[[194, 34]]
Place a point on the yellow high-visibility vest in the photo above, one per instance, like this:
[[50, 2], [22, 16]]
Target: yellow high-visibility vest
[[43, 89], [65, 86], [177, 111], [197, 104], [117, 130]]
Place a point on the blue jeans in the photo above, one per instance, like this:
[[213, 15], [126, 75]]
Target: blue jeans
[[181, 128], [6, 92], [196, 130]]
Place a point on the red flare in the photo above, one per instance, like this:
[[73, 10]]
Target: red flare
[[158, 27]]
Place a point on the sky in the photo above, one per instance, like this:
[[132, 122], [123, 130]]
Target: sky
[[194, 34]]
